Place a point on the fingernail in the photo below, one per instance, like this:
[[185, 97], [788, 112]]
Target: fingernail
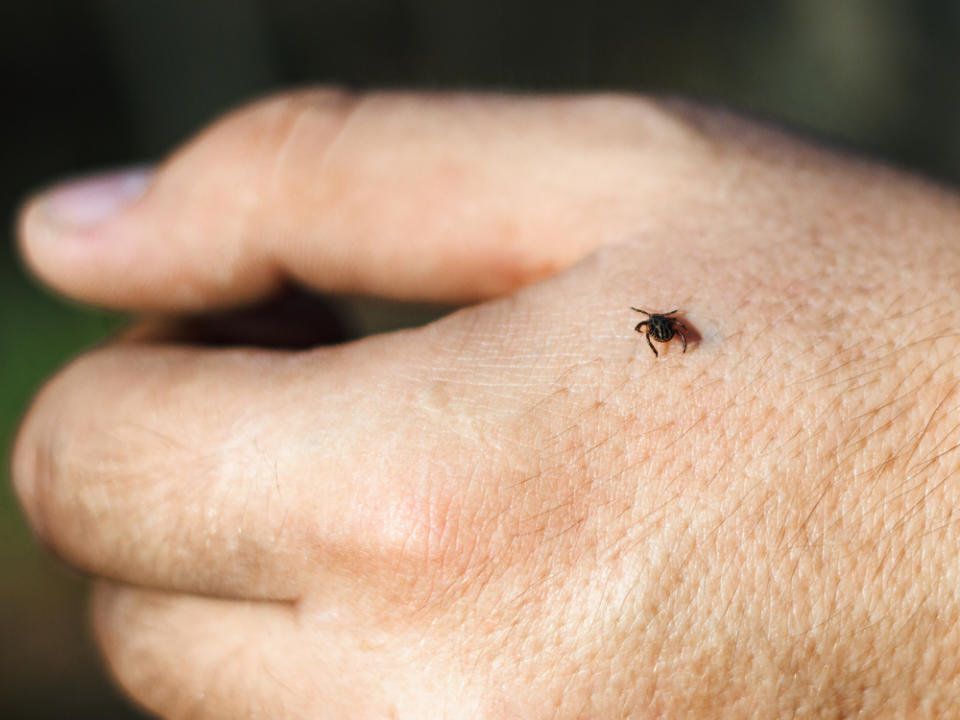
[[89, 201]]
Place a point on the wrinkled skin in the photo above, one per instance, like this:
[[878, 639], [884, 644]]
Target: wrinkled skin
[[516, 511]]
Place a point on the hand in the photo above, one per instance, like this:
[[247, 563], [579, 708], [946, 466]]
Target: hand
[[517, 511]]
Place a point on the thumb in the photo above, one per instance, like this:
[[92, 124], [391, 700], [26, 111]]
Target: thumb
[[417, 197]]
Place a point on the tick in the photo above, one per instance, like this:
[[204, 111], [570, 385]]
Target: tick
[[661, 327]]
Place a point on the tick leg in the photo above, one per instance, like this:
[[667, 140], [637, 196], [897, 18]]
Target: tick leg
[[651, 346], [640, 325], [684, 338], [639, 310]]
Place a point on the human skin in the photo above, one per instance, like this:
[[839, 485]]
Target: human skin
[[517, 511]]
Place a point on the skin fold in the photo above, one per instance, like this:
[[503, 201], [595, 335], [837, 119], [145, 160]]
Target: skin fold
[[516, 511]]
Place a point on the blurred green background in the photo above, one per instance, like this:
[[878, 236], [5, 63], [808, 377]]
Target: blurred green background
[[110, 82]]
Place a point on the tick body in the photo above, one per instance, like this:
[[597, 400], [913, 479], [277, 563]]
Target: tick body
[[661, 327]]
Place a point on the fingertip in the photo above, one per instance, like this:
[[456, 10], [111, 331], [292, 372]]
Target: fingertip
[[60, 230], [26, 463], [72, 209], [30, 232]]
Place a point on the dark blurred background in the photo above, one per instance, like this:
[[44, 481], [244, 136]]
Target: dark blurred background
[[100, 83]]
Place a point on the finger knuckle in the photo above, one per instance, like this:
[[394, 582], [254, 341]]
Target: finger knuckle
[[417, 540], [127, 630], [56, 458], [38, 460], [279, 138], [164, 651]]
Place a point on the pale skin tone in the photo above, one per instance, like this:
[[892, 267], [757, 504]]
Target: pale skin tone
[[517, 511]]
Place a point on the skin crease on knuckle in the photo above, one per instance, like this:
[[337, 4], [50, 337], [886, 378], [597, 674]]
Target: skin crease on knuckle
[[762, 526]]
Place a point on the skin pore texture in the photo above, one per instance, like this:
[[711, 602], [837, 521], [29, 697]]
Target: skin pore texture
[[516, 511]]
